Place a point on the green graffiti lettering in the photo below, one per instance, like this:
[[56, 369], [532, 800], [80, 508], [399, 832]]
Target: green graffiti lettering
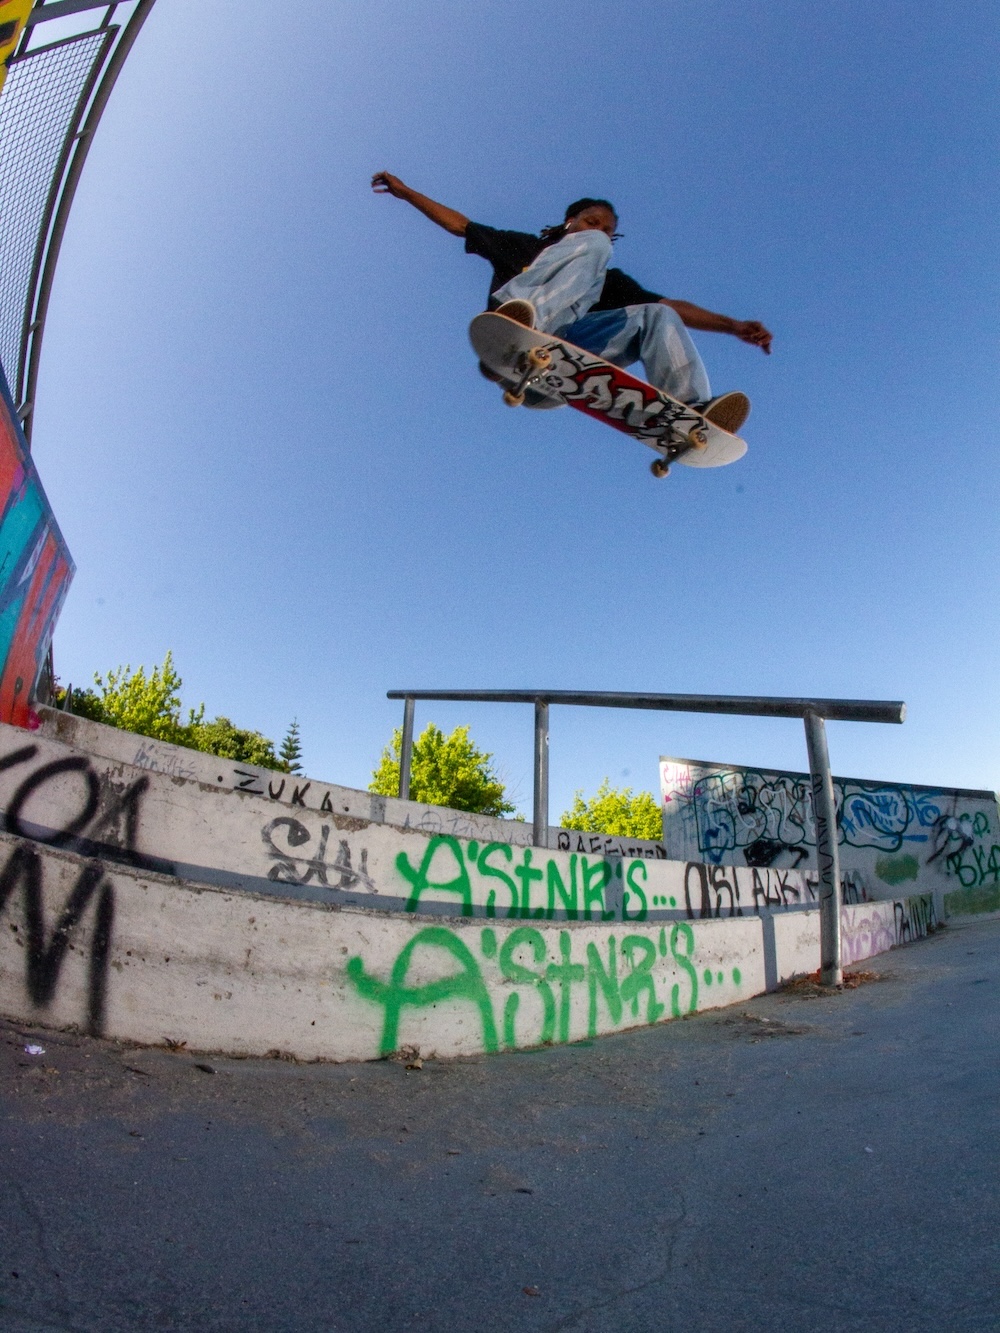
[[640, 977], [420, 880], [516, 972], [565, 973], [395, 995], [594, 893], [557, 885], [608, 982], [630, 879], [526, 874], [494, 872], [682, 931]]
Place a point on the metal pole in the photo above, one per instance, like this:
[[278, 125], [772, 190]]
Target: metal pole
[[406, 749], [540, 831], [827, 858]]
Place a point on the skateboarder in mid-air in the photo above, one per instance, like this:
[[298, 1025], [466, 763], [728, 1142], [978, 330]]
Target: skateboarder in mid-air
[[559, 282]]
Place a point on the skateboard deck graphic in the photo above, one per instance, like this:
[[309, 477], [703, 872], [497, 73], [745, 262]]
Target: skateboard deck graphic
[[531, 360]]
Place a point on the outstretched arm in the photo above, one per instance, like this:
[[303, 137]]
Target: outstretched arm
[[747, 330], [456, 223]]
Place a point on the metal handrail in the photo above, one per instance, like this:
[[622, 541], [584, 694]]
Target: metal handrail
[[812, 711], [749, 705]]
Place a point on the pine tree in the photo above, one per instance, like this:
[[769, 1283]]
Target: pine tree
[[291, 749]]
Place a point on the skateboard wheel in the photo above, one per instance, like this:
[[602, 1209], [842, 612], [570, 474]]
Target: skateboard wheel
[[540, 358], [698, 437], [513, 399], [659, 467]]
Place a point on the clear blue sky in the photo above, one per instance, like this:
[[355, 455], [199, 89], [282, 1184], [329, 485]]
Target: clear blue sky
[[260, 423]]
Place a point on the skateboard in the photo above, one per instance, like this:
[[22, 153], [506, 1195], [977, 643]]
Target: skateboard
[[554, 372]]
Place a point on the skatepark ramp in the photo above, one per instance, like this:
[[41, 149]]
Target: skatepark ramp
[[160, 895]]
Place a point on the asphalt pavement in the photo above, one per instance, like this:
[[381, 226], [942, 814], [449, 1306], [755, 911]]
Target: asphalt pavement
[[799, 1162]]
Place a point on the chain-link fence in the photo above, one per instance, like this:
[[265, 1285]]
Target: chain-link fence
[[41, 107]]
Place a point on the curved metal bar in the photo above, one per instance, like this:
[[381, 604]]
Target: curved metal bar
[[83, 138]]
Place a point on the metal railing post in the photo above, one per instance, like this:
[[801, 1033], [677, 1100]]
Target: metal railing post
[[540, 830], [406, 749], [827, 857]]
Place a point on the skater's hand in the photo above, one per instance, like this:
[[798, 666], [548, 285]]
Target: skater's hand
[[753, 332], [385, 183]]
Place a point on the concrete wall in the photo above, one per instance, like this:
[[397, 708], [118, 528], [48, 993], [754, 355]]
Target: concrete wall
[[153, 756], [60, 795], [148, 906], [893, 838], [149, 958], [176, 761]]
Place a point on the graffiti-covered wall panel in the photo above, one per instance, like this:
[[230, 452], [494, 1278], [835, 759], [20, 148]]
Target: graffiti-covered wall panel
[[890, 835], [140, 956], [35, 569]]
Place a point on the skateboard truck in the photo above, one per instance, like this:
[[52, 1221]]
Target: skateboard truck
[[695, 438], [536, 360]]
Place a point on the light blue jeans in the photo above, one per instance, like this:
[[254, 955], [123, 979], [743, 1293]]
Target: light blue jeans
[[567, 279]]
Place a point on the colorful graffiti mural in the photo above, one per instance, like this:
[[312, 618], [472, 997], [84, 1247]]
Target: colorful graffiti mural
[[889, 834], [35, 569]]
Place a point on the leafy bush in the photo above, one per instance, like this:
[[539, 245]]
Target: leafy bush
[[617, 812], [221, 737], [444, 770], [150, 705]]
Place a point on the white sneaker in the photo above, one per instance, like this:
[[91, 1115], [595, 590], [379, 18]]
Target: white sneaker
[[523, 312]]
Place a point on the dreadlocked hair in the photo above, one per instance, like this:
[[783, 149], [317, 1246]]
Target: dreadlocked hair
[[554, 233]]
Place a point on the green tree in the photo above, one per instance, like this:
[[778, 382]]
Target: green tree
[[222, 737], [444, 770], [150, 705], [291, 749], [131, 700], [617, 812]]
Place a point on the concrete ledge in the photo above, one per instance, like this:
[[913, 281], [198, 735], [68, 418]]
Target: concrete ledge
[[149, 958]]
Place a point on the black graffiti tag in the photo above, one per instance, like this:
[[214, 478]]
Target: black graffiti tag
[[289, 868], [44, 960], [104, 826]]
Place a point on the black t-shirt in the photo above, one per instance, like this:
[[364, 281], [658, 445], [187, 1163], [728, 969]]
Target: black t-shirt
[[512, 251]]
